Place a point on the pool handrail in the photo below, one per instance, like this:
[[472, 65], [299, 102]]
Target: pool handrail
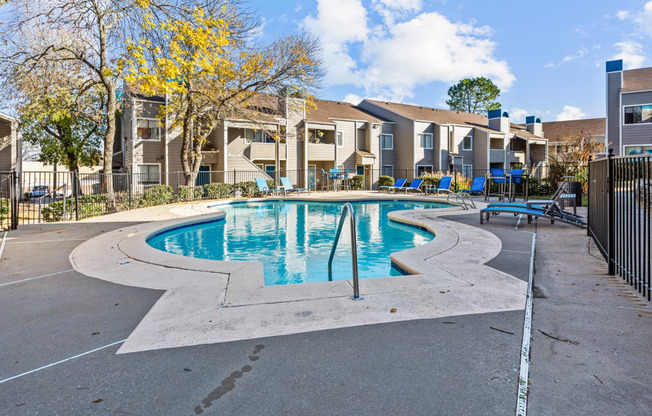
[[354, 250]]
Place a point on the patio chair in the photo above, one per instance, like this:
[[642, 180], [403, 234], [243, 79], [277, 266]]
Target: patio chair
[[399, 183], [444, 186], [414, 186], [477, 188], [496, 176], [287, 185], [263, 188]]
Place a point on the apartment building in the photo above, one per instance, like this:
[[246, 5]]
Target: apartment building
[[558, 133], [279, 135], [430, 139], [629, 109], [10, 149]]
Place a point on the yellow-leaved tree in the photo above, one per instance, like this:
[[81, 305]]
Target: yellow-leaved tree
[[210, 68]]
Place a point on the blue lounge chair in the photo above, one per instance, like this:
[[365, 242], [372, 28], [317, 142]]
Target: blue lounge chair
[[263, 189], [477, 187], [397, 184], [533, 211], [287, 185], [414, 186], [444, 186]]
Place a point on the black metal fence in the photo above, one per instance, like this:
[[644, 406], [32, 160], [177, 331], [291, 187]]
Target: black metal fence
[[620, 216], [7, 210]]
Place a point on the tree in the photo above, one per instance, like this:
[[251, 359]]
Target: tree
[[572, 158], [474, 95], [211, 70]]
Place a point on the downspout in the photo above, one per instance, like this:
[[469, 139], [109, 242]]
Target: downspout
[[167, 165]]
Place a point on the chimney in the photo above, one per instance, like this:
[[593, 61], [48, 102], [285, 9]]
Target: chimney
[[534, 126], [499, 120]]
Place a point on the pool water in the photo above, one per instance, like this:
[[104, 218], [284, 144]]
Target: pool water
[[293, 239]]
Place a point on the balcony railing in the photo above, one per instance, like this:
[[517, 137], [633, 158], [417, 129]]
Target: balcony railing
[[266, 151], [321, 152], [496, 155]]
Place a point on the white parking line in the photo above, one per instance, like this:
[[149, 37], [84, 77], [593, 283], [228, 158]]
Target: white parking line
[[37, 277], [521, 400], [2, 246], [60, 362]]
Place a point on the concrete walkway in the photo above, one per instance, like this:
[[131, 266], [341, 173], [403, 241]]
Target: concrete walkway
[[462, 365]]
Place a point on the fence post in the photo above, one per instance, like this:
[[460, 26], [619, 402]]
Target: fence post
[[13, 199], [588, 197], [76, 189], [129, 182], [611, 217]]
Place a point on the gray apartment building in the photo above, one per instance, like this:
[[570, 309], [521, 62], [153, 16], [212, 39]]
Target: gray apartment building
[[629, 109], [10, 149]]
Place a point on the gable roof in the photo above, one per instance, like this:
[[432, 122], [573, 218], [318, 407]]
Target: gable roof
[[557, 131], [326, 111], [440, 116], [637, 79]]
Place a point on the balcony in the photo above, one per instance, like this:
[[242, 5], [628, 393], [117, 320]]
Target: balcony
[[266, 151], [516, 157], [496, 156], [321, 152]]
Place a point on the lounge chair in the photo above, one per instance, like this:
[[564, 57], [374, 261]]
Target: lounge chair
[[263, 189], [399, 183], [444, 186], [414, 186], [534, 211], [287, 185], [477, 187]]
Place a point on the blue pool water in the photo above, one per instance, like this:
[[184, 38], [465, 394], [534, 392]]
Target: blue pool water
[[293, 239]]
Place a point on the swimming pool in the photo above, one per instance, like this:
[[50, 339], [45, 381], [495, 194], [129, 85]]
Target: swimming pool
[[293, 239]]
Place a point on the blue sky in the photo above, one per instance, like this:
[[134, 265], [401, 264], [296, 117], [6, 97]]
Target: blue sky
[[547, 57]]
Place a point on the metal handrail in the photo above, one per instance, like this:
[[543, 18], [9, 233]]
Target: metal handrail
[[354, 251]]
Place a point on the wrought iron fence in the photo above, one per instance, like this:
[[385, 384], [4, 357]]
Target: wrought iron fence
[[620, 216], [7, 210]]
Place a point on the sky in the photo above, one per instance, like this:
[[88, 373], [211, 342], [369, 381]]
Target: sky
[[548, 58]]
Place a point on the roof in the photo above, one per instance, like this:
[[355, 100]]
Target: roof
[[326, 111], [440, 116], [7, 117], [637, 79], [556, 131]]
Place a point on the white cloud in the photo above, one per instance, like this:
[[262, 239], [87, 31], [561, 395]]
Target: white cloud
[[622, 14], [517, 115], [571, 113], [580, 53], [631, 52], [395, 59], [353, 99], [644, 19]]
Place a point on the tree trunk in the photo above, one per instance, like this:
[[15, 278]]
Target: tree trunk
[[105, 74], [186, 156]]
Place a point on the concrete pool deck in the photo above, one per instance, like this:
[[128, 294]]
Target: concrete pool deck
[[209, 301]]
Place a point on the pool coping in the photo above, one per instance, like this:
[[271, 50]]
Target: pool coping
[[232, 285]]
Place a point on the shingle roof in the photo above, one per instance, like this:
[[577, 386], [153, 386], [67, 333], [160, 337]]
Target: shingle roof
[[556, 131], [327, 111], [637, 79], [440, 116]]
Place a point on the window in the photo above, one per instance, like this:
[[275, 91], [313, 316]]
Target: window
[[256, 136], [340, 139], [386, 141], [467, 170], [638, 150], [425, 140], [148, 174], [387, 170], [148, 129], [638, 114], [467, 143], [423, 169]]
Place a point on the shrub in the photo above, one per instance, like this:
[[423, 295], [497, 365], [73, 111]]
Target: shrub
[[189, 193], [218, 190], [157, 195], [245, 189], [356, 182], [430, 181], [385, 180], [4, 208], [88, 205]]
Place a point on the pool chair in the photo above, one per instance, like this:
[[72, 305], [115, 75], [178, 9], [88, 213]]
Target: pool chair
[[287, 185], [399, 183], [263, 189], [444, 186], [477, 188], [415, 186], [497, 176]]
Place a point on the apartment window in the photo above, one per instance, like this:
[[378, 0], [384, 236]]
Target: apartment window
[[467, 170], [256, 136], [148, 129], [148, 174], [386, 141], [340, 139], [387, 170], [638, 150], [467, 143], [638, 114], [425, 140], [423, 169]]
